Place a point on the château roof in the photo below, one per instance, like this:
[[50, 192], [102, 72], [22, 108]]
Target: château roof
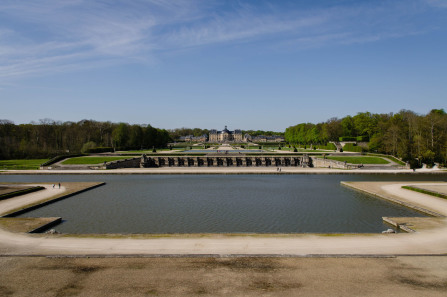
[[225, 130]]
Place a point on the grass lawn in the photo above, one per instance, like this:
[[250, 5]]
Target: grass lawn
[[360, 160], [21, 164], [391, 158], [91, 160], [144, 151]]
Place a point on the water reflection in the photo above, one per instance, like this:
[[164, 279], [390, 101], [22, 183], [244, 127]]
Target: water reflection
[[220, 204]]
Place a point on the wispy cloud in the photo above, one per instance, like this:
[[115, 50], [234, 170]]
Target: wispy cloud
[[438, 3], [51, 36]]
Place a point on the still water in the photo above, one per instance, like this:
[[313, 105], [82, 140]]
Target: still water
[[220, 204]]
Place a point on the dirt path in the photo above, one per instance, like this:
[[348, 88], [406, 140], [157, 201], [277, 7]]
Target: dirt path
[[45, 276]]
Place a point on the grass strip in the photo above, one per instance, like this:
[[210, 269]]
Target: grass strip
[[419, 190], [359, 160], [21, 192], [23, 164], [90, 160]]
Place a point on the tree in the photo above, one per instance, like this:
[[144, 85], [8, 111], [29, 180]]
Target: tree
[[348, 126], [120, 135], [334, 129]]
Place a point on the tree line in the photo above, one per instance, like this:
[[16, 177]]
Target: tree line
[[406, 134], [48, 138], [178, 132]]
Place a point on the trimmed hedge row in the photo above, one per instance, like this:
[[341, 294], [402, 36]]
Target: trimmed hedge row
[[351, 138], [425, 192], [347, 138], [21, 192], [99, 150]]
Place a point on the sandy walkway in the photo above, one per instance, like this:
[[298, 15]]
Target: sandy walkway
[[428, 242], [10, 204], [433, 203]]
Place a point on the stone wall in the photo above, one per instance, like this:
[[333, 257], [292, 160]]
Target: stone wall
[[126, 163], [328, 163], [224, 160]]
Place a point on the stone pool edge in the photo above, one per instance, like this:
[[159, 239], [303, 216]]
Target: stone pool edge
[[292, 245]]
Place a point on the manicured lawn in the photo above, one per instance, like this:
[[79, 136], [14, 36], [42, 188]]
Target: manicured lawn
[[21, 164], [392, 159], [91, 160], [145, 151], [360, 160]]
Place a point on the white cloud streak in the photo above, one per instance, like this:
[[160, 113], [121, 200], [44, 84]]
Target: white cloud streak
[[49, 36], [438, 3]]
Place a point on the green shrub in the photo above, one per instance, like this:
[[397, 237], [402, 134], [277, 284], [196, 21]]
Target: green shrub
[[88, 146]]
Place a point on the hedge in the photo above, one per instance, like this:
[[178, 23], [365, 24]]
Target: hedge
[[99, 150], [347, 138], [362, 138], [21, 192]]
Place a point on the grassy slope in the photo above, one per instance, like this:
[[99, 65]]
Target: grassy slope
[[91, 160], [21, 164], [392, 158]]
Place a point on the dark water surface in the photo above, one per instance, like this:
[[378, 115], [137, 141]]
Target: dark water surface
[[220, 204]]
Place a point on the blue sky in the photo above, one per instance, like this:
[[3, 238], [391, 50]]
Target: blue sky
[[204, 63]]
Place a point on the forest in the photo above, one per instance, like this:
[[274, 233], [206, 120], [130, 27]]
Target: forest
[[48, 138], [406, 134]]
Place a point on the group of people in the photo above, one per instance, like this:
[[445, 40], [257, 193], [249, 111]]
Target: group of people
[[54, 185], [278, 169]]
